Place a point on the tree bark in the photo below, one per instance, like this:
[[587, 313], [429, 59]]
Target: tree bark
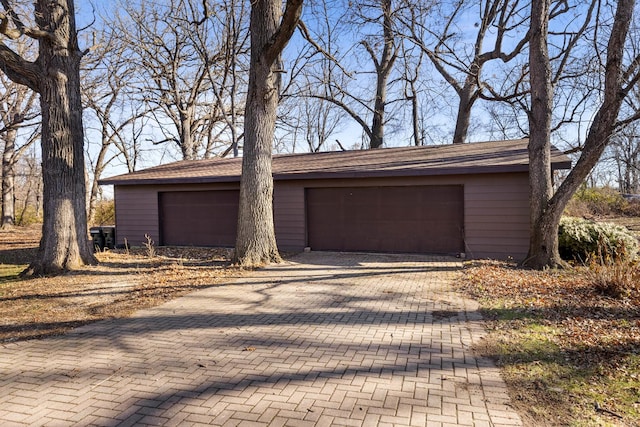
[[383, 70], [543, 241], [547, 207], [256, 241], [377, 123], [467, 98], [8, 180], [64, 244]]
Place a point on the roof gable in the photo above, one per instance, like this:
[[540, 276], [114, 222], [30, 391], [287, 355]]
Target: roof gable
[[482, 157]]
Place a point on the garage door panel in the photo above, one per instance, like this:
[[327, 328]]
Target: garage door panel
[[422, 219], [198, 218]]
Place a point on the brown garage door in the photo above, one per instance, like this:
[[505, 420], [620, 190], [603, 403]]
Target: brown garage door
[[198, 218], [418, 219]]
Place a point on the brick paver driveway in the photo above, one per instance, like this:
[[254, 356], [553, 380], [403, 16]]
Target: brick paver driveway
[[325, 339]]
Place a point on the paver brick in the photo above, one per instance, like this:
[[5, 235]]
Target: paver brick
[[334, 339]]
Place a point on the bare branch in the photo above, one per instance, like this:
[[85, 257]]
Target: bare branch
[[18, 69], [305, 34], [288, 25], [21, 29]]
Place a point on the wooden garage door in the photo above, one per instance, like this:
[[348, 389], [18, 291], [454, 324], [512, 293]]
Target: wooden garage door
[[418, 219], [198, 218]]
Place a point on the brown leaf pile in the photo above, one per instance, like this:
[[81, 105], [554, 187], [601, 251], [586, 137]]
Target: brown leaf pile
[[593, 341], [565, 299]]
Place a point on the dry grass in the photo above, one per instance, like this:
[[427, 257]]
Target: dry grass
[[122, 283], [569, 353]]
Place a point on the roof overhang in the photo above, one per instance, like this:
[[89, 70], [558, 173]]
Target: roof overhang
[[464, 159]]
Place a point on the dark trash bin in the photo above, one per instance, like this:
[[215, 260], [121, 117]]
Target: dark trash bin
[[103, 237], [97, 238], [109, 234]]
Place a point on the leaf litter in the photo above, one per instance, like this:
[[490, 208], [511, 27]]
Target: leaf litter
[[570, 355], [123, 282]]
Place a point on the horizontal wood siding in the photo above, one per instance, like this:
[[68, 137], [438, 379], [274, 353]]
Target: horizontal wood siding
[[289, 216], [137, 209], [136, 214], [496, 209], [497, 216]]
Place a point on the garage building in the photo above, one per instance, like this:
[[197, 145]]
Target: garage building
[[471, 198]]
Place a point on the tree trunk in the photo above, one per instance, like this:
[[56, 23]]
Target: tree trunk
[[186, 136], [543, 224], [8, 180], [383, 69], [377, 124], [64, 244], [256, 241], [467, 99], [547, 207], [95, 187]]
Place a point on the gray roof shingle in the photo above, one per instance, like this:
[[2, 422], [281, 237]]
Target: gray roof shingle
[[481, 157]]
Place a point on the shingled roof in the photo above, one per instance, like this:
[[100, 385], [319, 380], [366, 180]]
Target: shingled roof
[[481, 157]]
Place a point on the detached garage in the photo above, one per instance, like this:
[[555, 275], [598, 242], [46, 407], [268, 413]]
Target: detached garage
[[470, 198]]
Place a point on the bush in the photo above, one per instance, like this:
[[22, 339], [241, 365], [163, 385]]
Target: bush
[[581, 239], [27, 216], [597, 201], [632, 208], [616, 279]]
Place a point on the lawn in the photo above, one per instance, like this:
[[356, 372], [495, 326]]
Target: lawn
[[569, 354], [123, 281]]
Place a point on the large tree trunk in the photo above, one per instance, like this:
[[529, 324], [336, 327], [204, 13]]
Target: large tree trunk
[[64, 243], [543, 240], [8, 180], [256, 241], [547, 207]]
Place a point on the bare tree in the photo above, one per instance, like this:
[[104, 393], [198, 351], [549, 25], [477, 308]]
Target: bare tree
[[271, 29], [621, 71], [110, 110], [376, 36], [625, 152], [55, 76], [443, 34], [28, 192], [187, 55], [17, 116]]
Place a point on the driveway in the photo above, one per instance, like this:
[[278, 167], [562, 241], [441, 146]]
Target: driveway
[[324, 339]]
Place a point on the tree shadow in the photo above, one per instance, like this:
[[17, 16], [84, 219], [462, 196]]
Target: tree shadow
[[18, 256]]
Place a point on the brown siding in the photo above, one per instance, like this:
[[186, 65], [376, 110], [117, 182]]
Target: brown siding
[[497, 216], [289, 216], [496, 209], [136, 214], [137, 209]]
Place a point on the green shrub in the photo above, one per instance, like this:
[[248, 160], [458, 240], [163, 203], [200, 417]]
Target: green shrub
[[600, 200], [27, 216], [580, 239]]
